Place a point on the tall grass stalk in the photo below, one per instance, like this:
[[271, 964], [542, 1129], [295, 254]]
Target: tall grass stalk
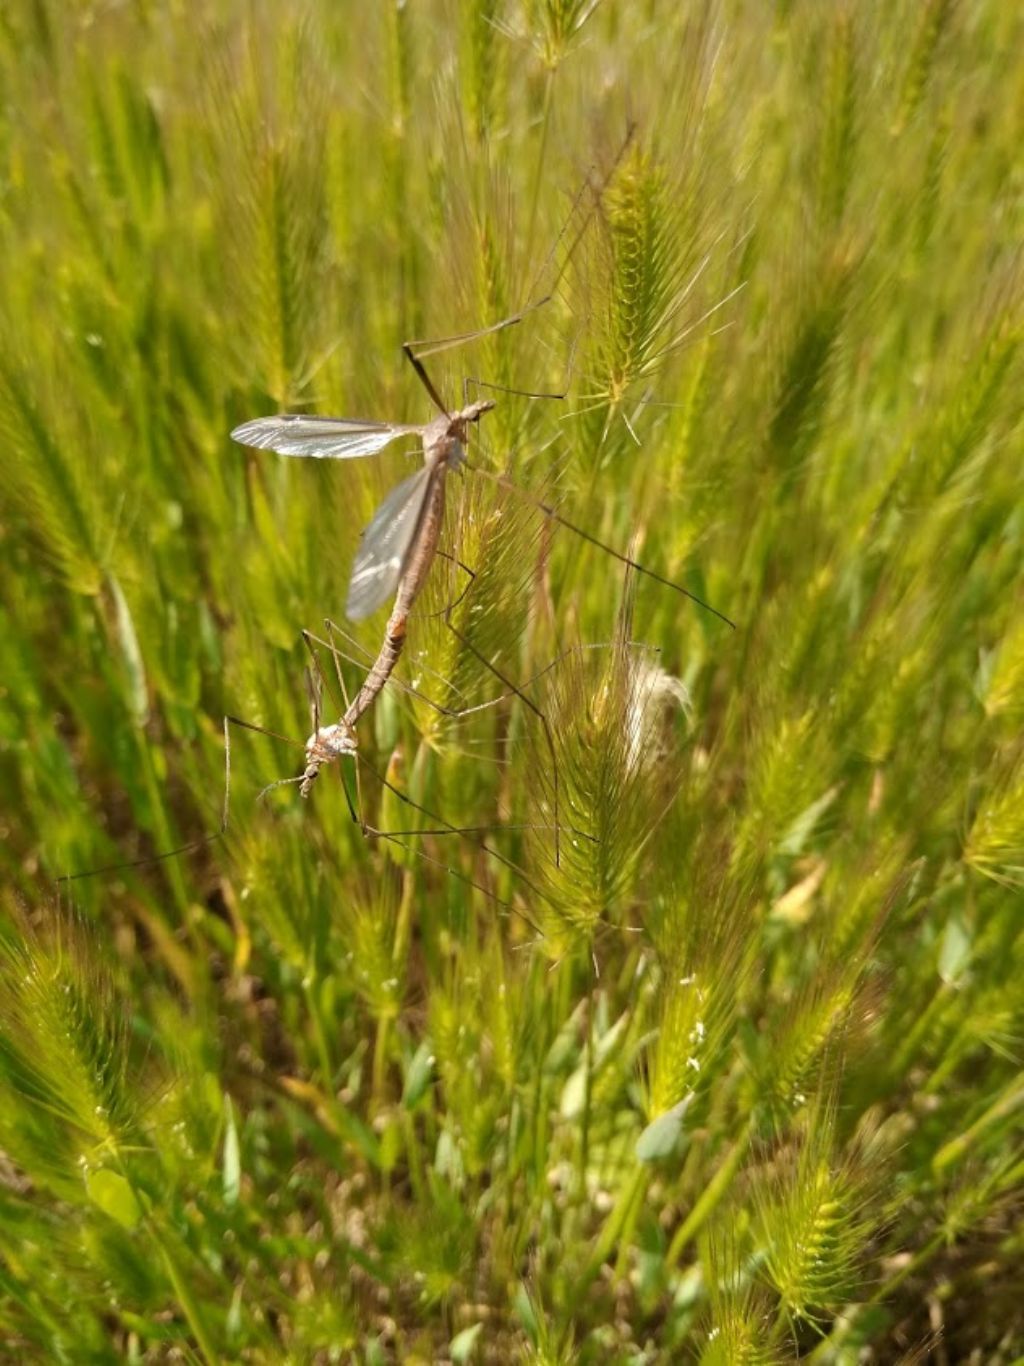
[[728, 1071]]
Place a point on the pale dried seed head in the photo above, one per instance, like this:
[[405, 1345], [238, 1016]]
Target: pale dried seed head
[[652, 691]]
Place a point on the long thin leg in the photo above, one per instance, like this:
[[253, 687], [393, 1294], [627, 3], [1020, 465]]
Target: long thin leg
[[598, 195], [429, 616], [214, 836], [188, 848], [334, 630], [449, 829], [310, 641], [355, 810], [512, 690], [516, 690], [529, 702], [454, 713], [394, 836], [549, 511], [368, 831], [415, 351], [418, 349], [558, 395]]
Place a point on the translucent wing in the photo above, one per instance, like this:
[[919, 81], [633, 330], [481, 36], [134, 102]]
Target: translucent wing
[[331, 438], [384, 545]]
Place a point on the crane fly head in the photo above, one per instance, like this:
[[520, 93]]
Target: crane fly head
[[475, 411], [457, 428], [449, 445]]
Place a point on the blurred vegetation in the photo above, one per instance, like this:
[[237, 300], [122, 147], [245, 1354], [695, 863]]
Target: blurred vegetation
[[735, 1078]]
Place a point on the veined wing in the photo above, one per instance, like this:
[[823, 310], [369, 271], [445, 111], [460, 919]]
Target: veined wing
[[384, 545], [331, 438]]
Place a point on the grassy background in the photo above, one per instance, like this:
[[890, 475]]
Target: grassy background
[[738, 1079]]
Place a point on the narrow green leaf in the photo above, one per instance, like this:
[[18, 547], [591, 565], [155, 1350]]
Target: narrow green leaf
[[419, 1075], [662, 1135], [955, 949], [232, 1162], [131, 653], [463, 1344]]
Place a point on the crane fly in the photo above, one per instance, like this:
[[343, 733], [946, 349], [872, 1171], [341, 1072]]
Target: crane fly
[[398, 547]]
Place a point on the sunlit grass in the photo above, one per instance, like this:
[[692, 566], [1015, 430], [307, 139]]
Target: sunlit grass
[[728, 1071]]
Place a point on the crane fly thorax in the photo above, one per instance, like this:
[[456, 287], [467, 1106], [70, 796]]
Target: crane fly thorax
[[444, 440], [448, 451]]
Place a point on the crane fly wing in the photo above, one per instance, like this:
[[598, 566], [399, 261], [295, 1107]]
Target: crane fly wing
[[384, 546], [331, 438]]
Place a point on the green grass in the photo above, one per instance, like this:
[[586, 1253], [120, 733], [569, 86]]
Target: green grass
[[737, 1079]]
